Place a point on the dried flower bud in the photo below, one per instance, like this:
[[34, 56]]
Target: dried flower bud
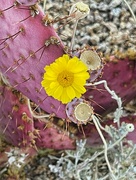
[[91, 59], [79, 111], [130, 127], [80, 10]]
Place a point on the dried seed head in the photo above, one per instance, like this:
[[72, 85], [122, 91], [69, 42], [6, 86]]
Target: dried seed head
[[91, 59], [52, 40], [80, 10], [83, 112], [79, 111]]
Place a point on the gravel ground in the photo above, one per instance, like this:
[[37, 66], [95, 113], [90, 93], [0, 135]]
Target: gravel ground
[[110, 25]]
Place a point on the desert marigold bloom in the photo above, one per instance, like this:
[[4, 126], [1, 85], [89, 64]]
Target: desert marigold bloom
[[65, 78]]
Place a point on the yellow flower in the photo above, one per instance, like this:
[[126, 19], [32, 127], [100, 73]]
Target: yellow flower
[[65, 78]]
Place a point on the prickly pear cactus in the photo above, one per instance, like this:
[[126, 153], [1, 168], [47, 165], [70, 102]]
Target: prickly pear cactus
[[121, 77], [27, 45], [51, 136], [19, 128], [16, 120]]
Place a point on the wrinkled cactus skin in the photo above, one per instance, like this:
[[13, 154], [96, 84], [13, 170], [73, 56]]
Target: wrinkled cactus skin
[[16, 122], [53, 137], [19, 128]]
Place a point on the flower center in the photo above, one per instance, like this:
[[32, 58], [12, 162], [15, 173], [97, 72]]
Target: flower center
[[65, 78]]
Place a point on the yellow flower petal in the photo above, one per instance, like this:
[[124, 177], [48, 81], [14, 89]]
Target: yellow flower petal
[[79, 88], [70, 92], [64, 97], [58, 92], [54, 85], [79, 65]]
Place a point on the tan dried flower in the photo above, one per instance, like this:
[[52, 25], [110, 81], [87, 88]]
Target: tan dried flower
[[83, 113], [80, 10], [91, 59]]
